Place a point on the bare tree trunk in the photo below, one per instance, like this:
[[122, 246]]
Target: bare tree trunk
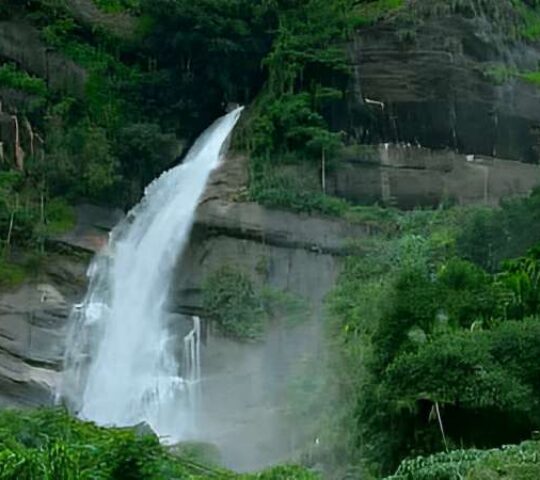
[[323, 171], [19, 152], [439, 419], [10, 230], [42, 219], [11, 222]]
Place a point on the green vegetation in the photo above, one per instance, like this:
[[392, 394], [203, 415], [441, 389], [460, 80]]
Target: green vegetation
[[233, 303], [59, 215], [532, 77], [25, 222], [24, 215], [49, 444], [369, 12], [529, 11], [510, 462], [12, 77], [243, 310], [437, 333], [307, 71], [11, 274], [118, 5], [128, 106], [278, 188]]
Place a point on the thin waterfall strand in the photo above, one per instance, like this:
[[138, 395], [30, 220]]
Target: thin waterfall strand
[[121, 364]]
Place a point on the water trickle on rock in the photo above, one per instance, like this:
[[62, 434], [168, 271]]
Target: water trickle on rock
[[122, 367]]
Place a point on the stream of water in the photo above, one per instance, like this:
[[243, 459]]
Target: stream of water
[[122, 365]]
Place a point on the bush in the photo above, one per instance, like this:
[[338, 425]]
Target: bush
[[519, 462], [232, 302], [144, 151], [242, 310], [297, 191]]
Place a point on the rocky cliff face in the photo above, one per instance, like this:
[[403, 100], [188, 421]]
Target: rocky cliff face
[[247, 386], [407, 177], [292, 253], [21, 43], [33, 324], [445, 80]]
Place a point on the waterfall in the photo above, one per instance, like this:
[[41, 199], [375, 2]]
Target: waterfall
[[122, 366]]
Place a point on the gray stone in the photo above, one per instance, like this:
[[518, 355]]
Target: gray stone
[[408, 177], [33, 321], [435, 86], [92, 228], [21, 43], [119, 24]]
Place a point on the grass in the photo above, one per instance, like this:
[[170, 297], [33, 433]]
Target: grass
[[371, 12], [11, 274], [531, 77], [60, 216], [500, 74], [517, 462], [295, 189]]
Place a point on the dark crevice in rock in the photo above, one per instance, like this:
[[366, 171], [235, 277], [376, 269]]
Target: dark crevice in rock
[[51, 365], [273, 239]]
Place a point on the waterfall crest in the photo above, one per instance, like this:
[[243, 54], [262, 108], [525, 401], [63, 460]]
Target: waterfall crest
[[121, 364]]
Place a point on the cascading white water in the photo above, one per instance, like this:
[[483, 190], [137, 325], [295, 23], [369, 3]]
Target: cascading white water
[[121, 365]]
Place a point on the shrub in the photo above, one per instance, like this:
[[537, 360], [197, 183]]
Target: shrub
[[512, 461], [232, 302], [12, 77]]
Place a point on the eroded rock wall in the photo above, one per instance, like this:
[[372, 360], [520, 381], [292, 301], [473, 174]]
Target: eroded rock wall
[[33, 325], [447, 80], [407, 177], [21, 43]]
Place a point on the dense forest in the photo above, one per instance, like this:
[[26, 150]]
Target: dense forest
[[434, 333]]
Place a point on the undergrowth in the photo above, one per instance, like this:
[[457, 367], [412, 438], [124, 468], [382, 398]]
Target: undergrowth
[[439, 323], [517, 462], [50, 445]]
